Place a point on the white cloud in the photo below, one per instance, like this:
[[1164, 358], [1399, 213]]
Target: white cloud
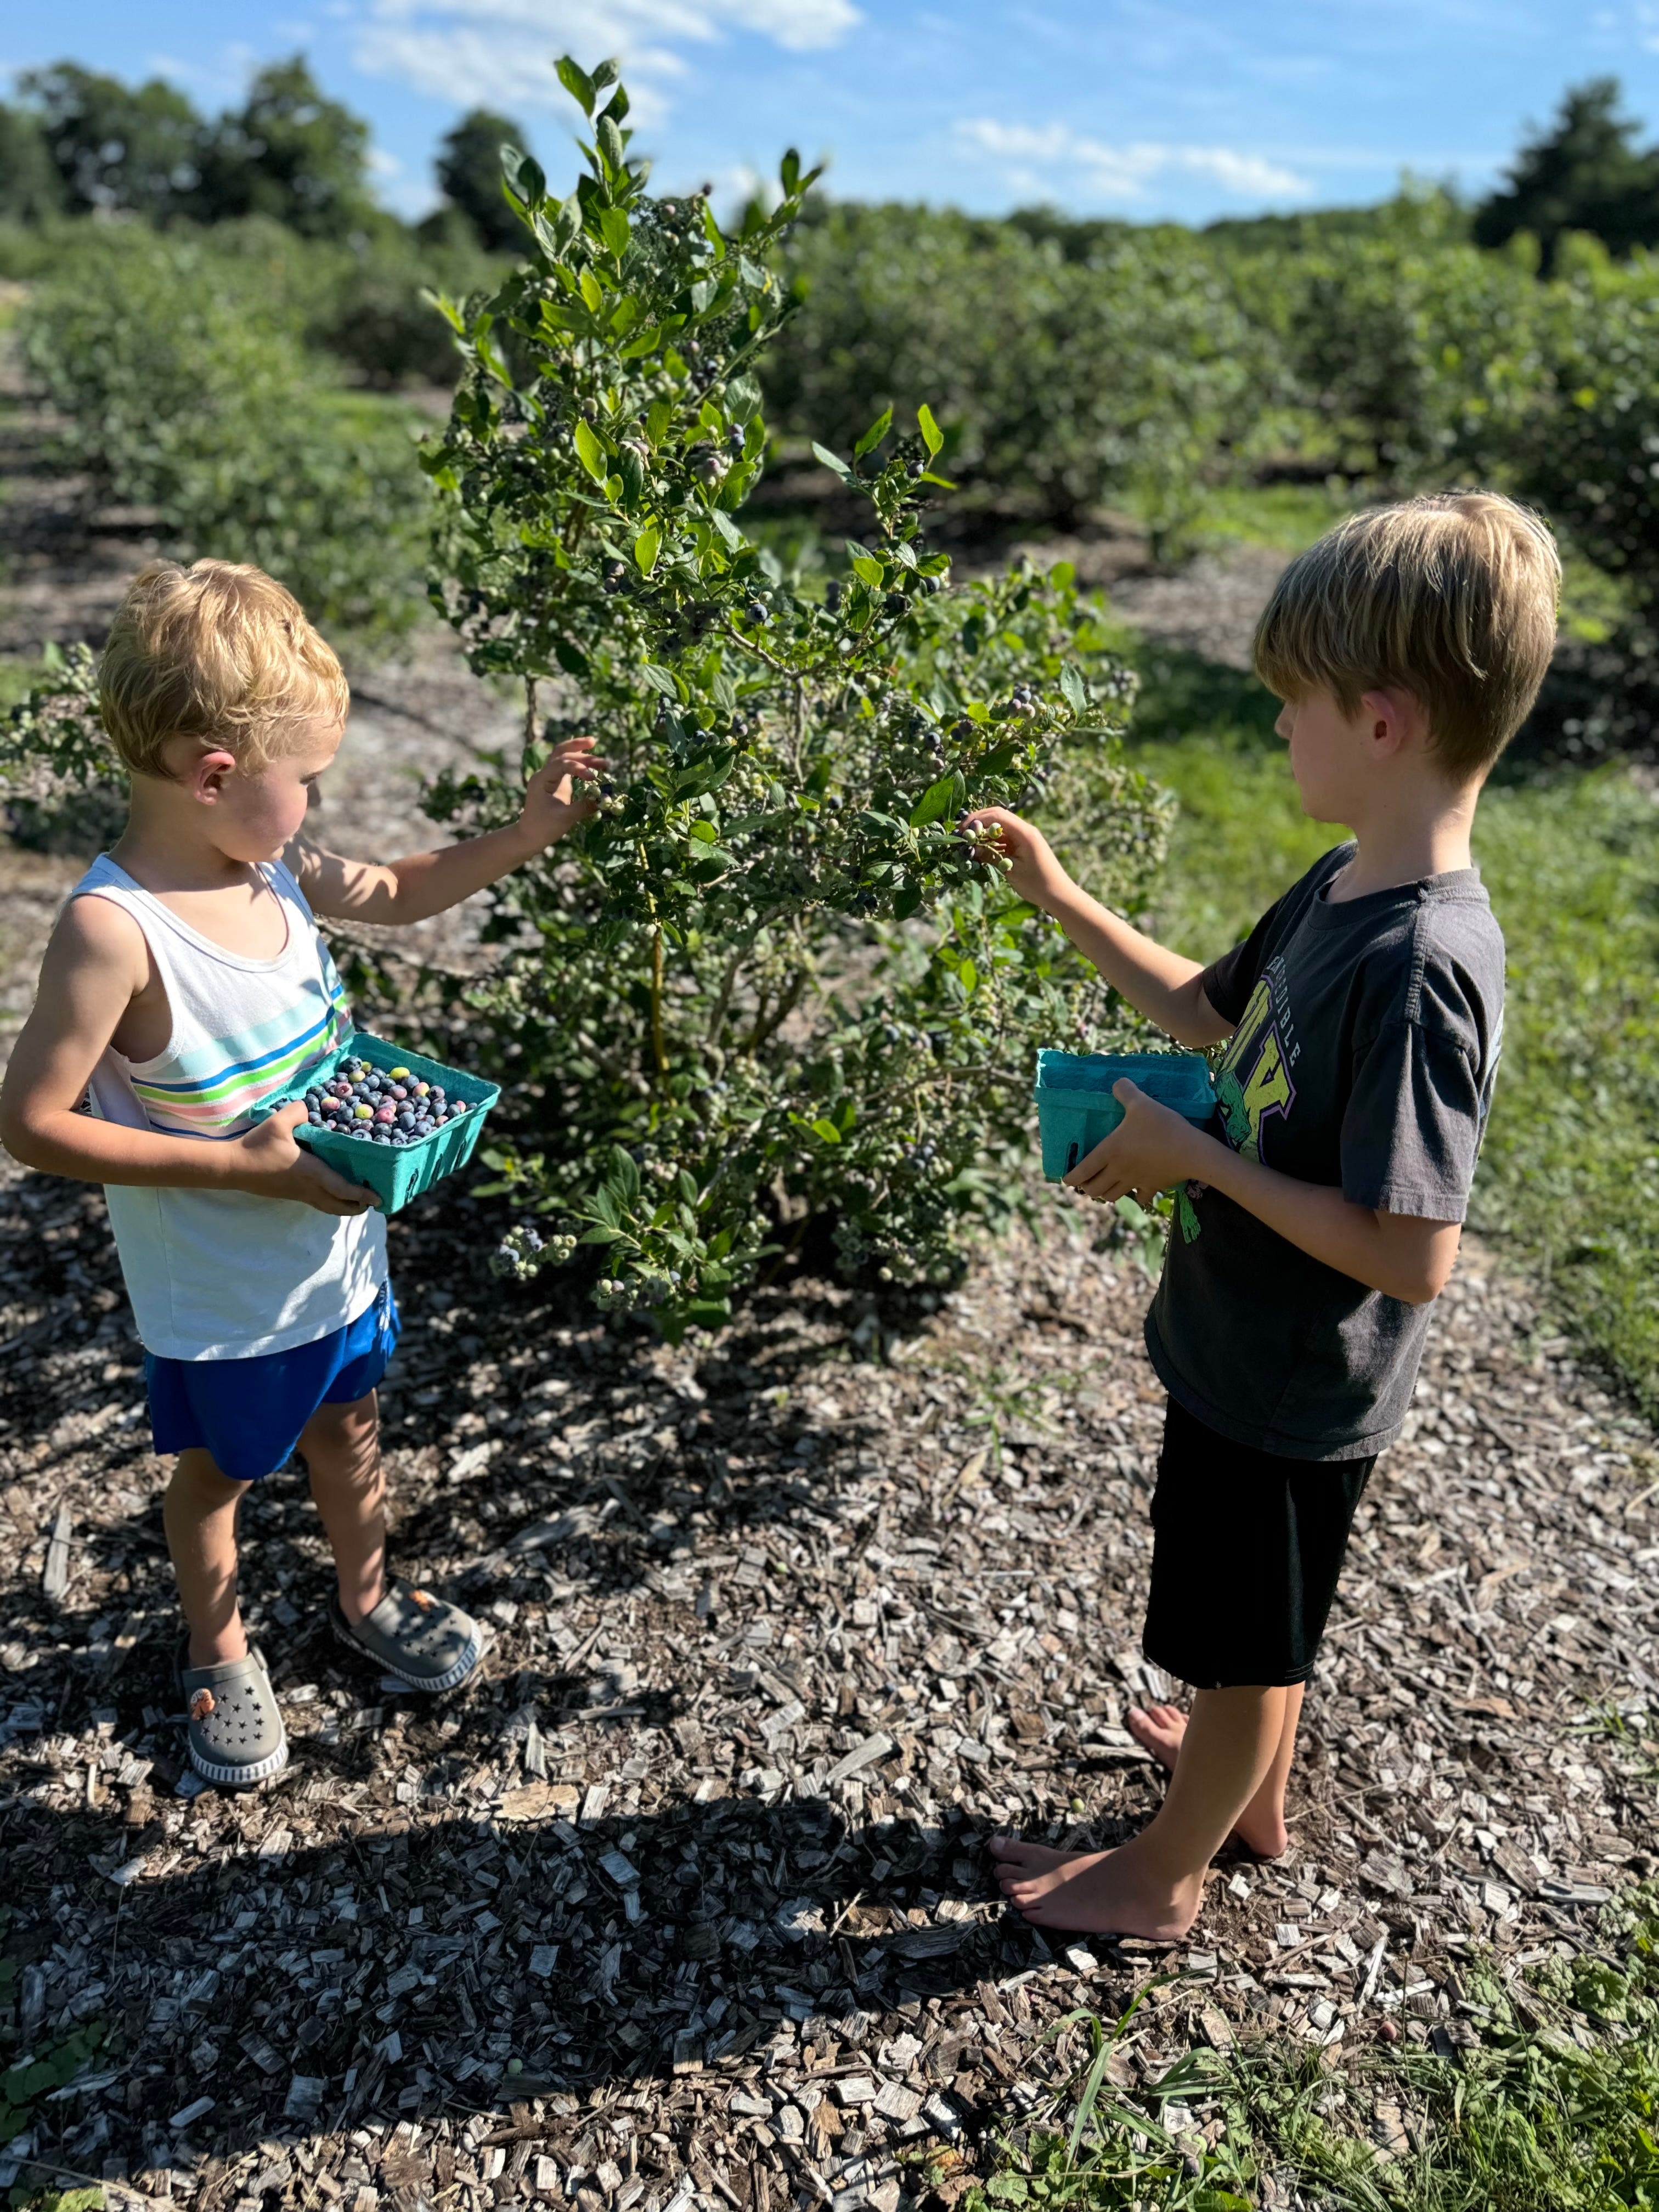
[[501, 53], [1030, 158]]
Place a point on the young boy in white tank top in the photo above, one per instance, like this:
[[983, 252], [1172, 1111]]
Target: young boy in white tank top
[[185, 983]]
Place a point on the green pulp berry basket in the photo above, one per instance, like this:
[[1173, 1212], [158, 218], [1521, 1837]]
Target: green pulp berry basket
[[394, 1173], [1076, 1109]]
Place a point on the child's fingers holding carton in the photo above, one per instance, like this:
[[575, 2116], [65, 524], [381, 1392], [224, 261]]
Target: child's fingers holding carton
[[272, 1165], [1151, 1148]]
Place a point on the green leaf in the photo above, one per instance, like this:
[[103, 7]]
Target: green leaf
[[591, 454], [908, 899], [873, 436], [592, 297], [612, 150], [934, 801], [606, 73], [624, 1174], [932, 437], [659, 679], [1086, 2102], [1076, 690], [789, 172], [597, 1236], [577, 83], [827, 1130], [833, 462], [705, 833], [614, 230], [647, 546]]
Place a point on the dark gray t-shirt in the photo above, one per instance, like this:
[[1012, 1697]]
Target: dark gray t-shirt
[[1363, 1056]]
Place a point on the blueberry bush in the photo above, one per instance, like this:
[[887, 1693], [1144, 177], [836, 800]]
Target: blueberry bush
[[60, 785], [1126, 372], [183, 386], [769, 983], [1403, 352]]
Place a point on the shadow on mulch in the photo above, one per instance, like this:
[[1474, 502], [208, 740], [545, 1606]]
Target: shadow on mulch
[[465, 1947]]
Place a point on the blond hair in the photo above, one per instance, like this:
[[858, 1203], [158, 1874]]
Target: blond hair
[[1451, 596], [219, 652]]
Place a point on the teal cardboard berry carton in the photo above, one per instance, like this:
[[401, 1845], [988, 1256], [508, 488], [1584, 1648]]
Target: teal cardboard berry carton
[[385, 1117], [1076, 1109]]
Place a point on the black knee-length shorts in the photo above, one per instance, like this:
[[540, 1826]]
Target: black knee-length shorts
[[1246, 1551]]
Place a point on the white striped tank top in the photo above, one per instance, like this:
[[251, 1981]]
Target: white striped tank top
[[221, 1274]]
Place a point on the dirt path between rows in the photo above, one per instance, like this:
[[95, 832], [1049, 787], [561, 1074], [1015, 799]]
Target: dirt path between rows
[[683, 1903]]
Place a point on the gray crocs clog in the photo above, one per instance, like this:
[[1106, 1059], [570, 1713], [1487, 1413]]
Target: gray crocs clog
[[234, 1731], [420, 1638]]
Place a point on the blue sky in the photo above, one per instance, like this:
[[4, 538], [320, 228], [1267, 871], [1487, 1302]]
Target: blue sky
[[1121, 107]]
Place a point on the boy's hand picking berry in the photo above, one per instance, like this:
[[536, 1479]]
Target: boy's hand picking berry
[[1032, 867], [551, 806]]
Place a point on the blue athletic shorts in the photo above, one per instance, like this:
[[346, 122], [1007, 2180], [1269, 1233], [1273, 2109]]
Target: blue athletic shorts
[[249, 1412]]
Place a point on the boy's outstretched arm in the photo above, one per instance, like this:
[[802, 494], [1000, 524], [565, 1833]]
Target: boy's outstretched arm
[[425, 883], [1398, 1254], [96, 964], [1163, 985]]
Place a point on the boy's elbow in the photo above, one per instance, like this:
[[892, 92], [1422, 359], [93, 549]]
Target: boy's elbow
[[19, 1139], [1420, 1283]]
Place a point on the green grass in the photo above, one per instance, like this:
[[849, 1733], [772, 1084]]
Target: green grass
[[1286, 516], [1554, 2107], [1569, 1177]]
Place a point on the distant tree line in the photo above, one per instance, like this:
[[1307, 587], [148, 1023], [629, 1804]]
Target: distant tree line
[[77, 143]]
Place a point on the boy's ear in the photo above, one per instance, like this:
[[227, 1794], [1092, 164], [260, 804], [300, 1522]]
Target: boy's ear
[[1395, 720], [207, 773]]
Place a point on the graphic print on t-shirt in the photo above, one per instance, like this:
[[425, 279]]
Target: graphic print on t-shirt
[[1253, 1081]]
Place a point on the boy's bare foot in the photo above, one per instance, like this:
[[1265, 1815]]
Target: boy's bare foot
[[1160, 1728], [1096, 1892]]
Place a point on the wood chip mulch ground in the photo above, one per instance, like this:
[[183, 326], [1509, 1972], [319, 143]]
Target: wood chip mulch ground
[[684, 1904]]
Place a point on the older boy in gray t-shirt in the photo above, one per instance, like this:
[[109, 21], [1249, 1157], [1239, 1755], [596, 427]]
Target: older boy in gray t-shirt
[[1320, 1217]]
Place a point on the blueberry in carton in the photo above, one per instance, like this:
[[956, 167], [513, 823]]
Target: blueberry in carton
[[1076, 1109], [387, 1118]]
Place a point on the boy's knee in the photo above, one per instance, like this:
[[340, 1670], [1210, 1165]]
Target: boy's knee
[[343, 1440], [199, 1481]]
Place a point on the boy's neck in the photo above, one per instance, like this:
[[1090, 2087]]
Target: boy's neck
[[163, 849], [1421, 830]]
